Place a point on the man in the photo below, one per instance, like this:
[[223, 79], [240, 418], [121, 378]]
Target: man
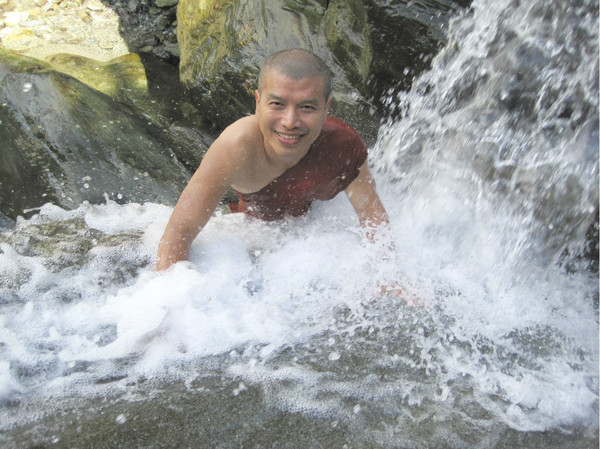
[[278, 160]]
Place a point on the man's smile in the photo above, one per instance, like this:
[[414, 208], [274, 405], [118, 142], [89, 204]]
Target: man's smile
[[289, 138]]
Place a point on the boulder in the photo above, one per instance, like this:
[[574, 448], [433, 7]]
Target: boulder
[[222, 45], [404, 39], [66, 142], [122, 78]]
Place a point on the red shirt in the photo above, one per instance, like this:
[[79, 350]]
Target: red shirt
[[331, 164]]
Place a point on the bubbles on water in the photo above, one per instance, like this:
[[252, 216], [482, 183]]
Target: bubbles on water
[[86, 181], [333, 356]]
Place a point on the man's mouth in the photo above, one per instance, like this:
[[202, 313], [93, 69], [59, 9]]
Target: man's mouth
[[289, 138]]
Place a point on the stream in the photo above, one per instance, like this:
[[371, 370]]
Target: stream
[[279, 334]]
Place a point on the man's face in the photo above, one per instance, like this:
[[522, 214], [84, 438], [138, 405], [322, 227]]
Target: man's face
[[290, 114]]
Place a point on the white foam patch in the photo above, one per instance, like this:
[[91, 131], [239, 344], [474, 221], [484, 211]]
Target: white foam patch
[[238, 287], [112, 218], [276, 285]]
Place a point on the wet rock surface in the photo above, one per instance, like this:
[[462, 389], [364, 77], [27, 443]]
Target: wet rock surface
[[98, 29], [66, 143], [373, 47]]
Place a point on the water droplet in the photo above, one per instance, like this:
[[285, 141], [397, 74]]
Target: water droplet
[[121, 419], [334, 356], [241, 387]]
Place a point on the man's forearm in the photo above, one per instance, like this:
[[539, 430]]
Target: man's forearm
[[168, 254], [173, 247]]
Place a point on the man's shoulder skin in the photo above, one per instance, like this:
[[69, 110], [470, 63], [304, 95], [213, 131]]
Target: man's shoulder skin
[[237, 154]]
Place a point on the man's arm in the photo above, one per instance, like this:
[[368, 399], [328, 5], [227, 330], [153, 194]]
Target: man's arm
[[366, 203], [196, 204], [373, 217]]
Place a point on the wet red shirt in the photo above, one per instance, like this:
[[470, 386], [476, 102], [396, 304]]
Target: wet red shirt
[[331, 164]]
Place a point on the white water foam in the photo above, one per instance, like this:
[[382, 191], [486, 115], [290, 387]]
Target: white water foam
[[270, 286]]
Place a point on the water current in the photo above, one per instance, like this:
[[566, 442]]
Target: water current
[[278, 335]]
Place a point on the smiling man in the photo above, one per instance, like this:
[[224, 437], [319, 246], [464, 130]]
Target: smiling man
[[279, 160]]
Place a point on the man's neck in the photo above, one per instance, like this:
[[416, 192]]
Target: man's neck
[[281, 163]]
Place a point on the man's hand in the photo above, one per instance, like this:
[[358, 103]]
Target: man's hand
[[394, 289]]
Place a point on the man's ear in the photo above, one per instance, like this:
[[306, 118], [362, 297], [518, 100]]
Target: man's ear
[[327, 105], [257, 96]]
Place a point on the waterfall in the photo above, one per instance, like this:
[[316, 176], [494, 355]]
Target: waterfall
[[508, 116]]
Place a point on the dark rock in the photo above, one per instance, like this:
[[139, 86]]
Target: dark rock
[[375, 48], [147, 40], [404, 39], [132, 5], [64, 142], [166, 3]]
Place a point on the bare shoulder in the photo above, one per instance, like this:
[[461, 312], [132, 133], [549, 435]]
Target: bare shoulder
[[240, 139], [232, 155]]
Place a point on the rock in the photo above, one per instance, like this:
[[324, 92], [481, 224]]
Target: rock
[[375, 47], [17, 36], [67, 143], [84, 15], [166, 3], [223, 44], [372, 47], [89, 29], [147, 40], [172, 48], [94, 5], [122, 78], [404, 40], [103, 121], [14, 18]]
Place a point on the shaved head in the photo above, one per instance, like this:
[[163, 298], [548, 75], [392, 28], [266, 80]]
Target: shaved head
[[296, 64]]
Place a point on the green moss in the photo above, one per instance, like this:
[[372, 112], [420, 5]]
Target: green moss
[[115, 78], [18, 63], [346, 31]]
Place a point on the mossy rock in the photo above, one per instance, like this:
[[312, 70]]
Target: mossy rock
[[224, 43], [64, 142], [121, 78]]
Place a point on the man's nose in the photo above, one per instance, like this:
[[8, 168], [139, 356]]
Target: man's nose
[[290, 118]]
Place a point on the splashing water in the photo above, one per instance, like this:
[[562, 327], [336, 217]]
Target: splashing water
[[491, 180], [510, 115]]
